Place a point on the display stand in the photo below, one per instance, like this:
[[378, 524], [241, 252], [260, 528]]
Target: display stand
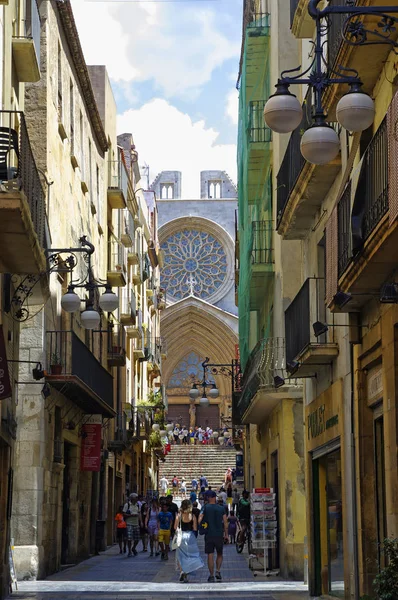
[[263, 521]]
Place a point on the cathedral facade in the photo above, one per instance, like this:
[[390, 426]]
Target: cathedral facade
[[197, 239]]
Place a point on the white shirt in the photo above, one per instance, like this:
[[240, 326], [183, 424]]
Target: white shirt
[[164, 484], [224, 496]]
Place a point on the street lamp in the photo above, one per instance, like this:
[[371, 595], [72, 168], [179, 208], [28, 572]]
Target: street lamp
[[355, 110]]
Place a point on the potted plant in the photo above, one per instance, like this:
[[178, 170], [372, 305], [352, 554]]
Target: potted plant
[[55, 364]]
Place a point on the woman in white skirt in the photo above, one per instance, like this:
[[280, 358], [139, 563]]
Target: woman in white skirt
[[187, 555]]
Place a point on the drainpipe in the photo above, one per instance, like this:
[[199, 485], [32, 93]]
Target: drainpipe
[[354, 478]]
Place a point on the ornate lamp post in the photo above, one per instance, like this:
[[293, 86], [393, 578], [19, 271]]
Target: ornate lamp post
[[355, 110], [231, 370]]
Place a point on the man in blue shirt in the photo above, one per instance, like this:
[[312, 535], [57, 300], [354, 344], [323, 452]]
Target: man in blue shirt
[[165, 519], [216, 533]]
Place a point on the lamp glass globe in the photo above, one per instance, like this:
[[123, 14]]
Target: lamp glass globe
[[214, 393], [90, 318], [162, 433], [215, 434], [155, 427], [221, 439], [355, 111], [109, 301], [204, 402], [283, 113], [169, 426], [193, 393], [320, 144], [70, 302]]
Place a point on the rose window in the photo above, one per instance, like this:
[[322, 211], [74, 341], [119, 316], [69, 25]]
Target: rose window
[[195, 264]]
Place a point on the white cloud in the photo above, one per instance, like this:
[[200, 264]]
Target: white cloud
[[232, 109], [168, 139], [177, 47]]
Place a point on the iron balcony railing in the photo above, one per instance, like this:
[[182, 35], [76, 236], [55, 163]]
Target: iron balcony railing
[[266, 360], [18, 169], [69, 356], [293, 161], [373, 181], [293, 7], [116, 255], [258, 131], [258, 19], [262, 243], [118, 176], [304, 310], [116, 345], [344, 230], [335, 32]]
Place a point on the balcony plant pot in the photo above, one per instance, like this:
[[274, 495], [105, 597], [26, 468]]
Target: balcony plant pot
[[56, 369]]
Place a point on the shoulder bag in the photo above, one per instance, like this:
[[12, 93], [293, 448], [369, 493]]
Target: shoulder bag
[[177, 539]]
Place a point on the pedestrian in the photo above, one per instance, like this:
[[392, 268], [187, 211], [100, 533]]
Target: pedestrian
[[176, 433], [193, 497], [121, 530], [187, 555], [200, 435], [164, 485], [228, 476], [192, 437], [232, 524], [165, 520], [223, 494], [220, 502], [183, 488], [173, 508], [174, 483], [194, 485], [216, 534], [153, 526], [229, 496], [196, 512], [203, 483], [132, 516], [143, 527], [235, 500]]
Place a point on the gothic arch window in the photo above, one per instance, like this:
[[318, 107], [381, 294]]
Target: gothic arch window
[[188, 370]]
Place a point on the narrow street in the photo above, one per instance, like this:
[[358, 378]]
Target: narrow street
[[111, 576]]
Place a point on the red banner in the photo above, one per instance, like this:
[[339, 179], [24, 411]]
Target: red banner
[[262, 490], [5, 385], [90, 457]]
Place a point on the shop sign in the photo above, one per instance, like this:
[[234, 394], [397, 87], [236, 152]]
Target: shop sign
[[318, 424], [90, 457], [5, 385]]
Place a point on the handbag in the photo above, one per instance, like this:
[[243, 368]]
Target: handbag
[[177, 539], [204, 524]]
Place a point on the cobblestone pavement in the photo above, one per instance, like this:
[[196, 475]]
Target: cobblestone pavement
[[111, 576]]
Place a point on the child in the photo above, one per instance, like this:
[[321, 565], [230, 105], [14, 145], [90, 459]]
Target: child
[[165, 519], [232, 527], [121, 530]]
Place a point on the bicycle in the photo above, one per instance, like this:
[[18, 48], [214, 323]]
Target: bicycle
[[243, 535]]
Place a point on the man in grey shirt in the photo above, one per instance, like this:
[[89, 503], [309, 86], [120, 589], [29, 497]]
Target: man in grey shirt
[[216, 534]]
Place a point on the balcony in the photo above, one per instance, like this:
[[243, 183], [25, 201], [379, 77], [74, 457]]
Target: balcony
[[301, 344], [135, 331], [259, 138], [78, 375], [301, 24], [301, 186], [22, 200], [118, 184], [121, 438], [262, 261], [369, 61], [116, 273], [367, 228], [127, 233], [143, 424], [153, 254], [258, 396], [161, 345], [116, 346], [128, 309], [26, 45], [139, 349]]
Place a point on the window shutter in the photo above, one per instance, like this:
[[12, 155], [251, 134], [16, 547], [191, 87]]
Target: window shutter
[[331, 257], [392, 135]]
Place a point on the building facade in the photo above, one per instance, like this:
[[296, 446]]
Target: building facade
[[196, 238], [270, 406]]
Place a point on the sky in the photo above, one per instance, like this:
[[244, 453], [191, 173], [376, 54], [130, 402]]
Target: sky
[[173, 66]]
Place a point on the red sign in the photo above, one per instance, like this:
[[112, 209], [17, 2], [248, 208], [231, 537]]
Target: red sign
[[262, 490], [90, 457], [5, 385]]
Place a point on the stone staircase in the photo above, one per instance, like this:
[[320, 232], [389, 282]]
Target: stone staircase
[[194, 461]]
